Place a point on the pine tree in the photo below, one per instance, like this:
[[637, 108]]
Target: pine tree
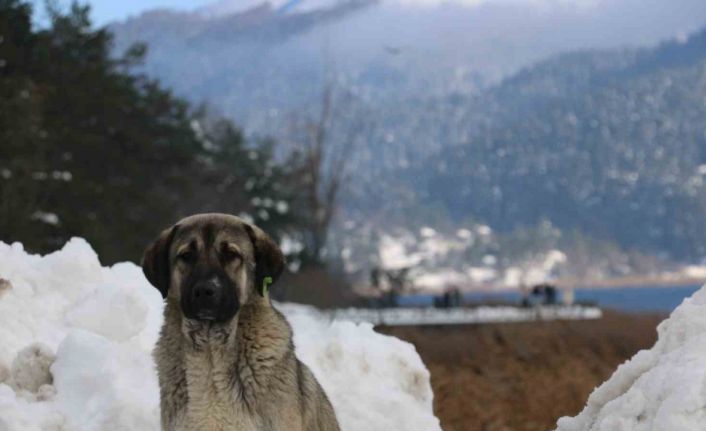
[[90, 148]]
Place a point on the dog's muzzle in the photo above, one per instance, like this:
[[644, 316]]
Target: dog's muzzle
[[210, 298], [206, 298]]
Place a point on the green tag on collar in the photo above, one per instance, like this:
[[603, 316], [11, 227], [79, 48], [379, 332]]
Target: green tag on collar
[[265, 286]]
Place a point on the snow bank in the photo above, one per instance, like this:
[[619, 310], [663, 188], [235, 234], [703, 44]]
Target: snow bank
[[663, 388], [375, 382], [75, 343]]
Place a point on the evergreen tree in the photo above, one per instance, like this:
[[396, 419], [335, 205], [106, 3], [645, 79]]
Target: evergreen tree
[[90, 148]]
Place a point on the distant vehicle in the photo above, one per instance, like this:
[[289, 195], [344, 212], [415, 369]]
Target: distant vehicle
[[547, 292], [451, 298]]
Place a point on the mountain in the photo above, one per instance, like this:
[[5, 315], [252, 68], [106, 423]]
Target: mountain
[[611, 143], [561, 126]]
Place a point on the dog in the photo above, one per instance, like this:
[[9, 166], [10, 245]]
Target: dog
[[225, 357]]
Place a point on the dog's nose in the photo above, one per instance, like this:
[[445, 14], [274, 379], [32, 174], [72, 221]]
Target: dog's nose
[[207, 292]]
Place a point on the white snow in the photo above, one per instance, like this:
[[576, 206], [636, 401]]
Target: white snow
[[76, 338], [540, 269], [427, 232], [45, 217], [393, 252], [481, 275], [694, 271], [662, 388], [437, 281], [438, 261], [372, 380], [464, 234]]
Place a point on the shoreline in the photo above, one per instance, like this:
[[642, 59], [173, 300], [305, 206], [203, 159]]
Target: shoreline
[[627, 282], [613, 283], [631, 282]]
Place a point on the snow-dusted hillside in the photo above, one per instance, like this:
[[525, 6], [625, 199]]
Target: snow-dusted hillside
[[467, 259], [435, 141], [75, 342], [661, 389]]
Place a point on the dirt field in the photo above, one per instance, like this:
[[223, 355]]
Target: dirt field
[[523, 377]]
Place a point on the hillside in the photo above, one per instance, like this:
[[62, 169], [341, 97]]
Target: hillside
[[607, 143], [540, 122], [597, 154]]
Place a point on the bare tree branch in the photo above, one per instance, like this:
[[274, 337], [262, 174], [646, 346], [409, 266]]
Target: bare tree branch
[[325, 172]]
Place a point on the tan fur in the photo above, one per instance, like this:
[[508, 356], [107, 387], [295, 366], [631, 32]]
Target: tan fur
[[239, 375]]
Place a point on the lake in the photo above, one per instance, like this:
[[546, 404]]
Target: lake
[[634, 299]]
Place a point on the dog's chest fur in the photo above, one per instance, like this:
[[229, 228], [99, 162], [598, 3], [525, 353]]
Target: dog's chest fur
[[226, 378], [213, 403]]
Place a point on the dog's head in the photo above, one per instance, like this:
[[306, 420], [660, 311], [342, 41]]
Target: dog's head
[[212, 264]]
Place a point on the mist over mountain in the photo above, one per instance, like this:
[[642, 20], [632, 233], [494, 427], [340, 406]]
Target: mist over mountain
[[259, 61]]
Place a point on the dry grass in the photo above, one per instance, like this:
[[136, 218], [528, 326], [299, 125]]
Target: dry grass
[[522, 377]]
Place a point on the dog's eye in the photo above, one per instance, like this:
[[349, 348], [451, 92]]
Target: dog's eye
[[229, 253], [188, 255]]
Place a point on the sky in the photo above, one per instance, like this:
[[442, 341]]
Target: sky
[[105, 11]]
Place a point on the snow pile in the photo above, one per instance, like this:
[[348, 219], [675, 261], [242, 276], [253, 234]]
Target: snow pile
[[658, 389], [372, 380], [76, 338]]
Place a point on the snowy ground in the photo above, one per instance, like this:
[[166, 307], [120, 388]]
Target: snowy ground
[[75, 342], [660, 389], [455, 316]]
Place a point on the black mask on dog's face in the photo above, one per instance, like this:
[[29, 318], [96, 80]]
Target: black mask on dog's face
[[208, 293], [212, 264]]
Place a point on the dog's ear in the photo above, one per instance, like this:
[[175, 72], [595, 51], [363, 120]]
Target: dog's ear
[[155, 261], [269, 260]]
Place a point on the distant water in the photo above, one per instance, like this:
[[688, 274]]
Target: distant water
[[634, 299]]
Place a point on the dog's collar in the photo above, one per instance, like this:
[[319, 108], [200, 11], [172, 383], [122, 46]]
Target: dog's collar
[[266, 286]]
